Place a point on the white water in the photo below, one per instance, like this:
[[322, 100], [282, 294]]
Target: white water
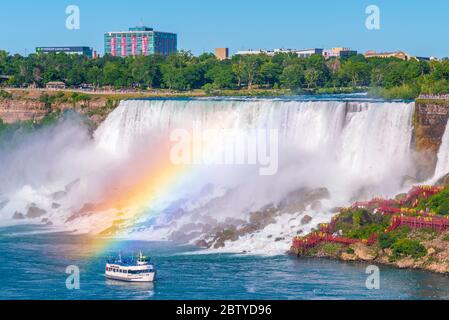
[[442, 167], [356, 150]]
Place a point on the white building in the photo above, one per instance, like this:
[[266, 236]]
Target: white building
[[303, 53]]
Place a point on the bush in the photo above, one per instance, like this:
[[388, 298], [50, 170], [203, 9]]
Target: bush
[[5, 94], [407, 92], [438, 203], [386, 240], [331, 248], [407, 247]]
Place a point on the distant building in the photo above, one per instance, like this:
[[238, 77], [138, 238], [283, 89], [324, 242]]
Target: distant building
[[305, 53], [140, 41], [86, 51], [222, 53], [339, 52], [55, 85], [302, 53], [254, 52], [397, 54]]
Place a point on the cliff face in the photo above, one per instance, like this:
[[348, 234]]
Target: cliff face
[[20, 110], [431, 117], [27, 106]]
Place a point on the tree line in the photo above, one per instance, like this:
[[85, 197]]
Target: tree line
[[183, 71]]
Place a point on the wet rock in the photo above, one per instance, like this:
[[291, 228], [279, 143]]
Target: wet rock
[[405, 263], [47, 222], [279, 239], [225, 235], [443, 181], [263, 218], [364, 252], [306, 220], [316, 206], [55, 205], [18, 216], [35, 212], [348, 256], [58, 195], [202, 244], [72, 185]]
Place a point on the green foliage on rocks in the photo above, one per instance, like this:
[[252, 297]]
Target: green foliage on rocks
[[407, 247], [360, 224], [438, 203], [5, 95]]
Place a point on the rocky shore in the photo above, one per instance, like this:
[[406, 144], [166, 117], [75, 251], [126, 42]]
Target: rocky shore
[[370, 232]]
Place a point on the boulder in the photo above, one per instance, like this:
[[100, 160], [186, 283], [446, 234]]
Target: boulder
[[18, 216], [306, 220], [348, 256], [363, 252], [35, 212], [55, 205], [202, 244], [58, 195], [47, 222]]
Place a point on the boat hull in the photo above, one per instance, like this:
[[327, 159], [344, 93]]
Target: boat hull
[[147, 278]]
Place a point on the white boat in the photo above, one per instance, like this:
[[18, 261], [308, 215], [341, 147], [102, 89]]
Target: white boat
[[131, 270]]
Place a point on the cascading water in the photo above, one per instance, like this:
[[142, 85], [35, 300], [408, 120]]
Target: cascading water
[[353, 149], [442, 167]]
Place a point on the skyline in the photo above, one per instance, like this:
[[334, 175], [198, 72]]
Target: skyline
[[201, 26]]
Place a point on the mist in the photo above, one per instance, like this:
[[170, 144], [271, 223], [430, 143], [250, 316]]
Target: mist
[[71, 179]]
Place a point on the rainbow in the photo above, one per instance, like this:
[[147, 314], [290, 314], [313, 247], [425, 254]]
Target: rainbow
[[153, 183]]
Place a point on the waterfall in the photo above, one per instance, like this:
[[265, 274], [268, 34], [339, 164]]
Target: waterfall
[[363, 138], [354, 150], [442, 167]]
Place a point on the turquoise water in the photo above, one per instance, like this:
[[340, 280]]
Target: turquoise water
[[33, 267]]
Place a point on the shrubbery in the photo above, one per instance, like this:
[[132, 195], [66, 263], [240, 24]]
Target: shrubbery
[[406, 247], [5, 95], [438, 203]]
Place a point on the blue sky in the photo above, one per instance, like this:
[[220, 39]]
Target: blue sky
[[418, 27]]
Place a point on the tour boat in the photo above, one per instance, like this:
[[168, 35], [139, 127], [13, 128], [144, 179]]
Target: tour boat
[[130, 270]]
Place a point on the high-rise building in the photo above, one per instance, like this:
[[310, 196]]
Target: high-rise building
[[222, 53], [140, 41], [87, 51]]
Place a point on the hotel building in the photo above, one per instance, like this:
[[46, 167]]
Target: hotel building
[[140, 41]]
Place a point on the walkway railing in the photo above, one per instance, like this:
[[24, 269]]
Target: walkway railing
[[401, 217]]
